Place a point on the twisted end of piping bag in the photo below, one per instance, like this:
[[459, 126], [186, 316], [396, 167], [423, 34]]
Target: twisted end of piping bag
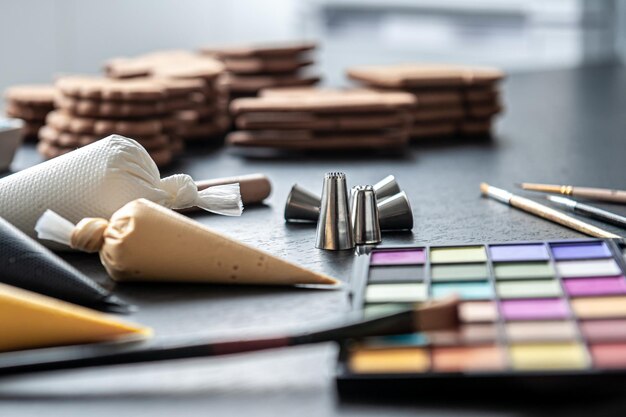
[[219, 199], [87, 235]]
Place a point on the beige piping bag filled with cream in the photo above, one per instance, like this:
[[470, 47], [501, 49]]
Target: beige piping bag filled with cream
[[98, 179], [143, 241]]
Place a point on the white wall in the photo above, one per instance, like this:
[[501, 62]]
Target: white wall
[[40, 38]]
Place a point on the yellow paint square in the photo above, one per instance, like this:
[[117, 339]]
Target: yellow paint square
[[548, 356]]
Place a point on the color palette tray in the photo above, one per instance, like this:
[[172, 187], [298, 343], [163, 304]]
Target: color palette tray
[[531, 312]]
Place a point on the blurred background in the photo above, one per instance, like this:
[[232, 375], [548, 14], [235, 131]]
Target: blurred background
[[40, 38]]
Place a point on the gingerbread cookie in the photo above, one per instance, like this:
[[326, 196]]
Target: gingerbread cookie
[[38, 95], [259, 50], [110, 109], [74, 140], [434, 114], [425, 130], [475, 127], [25, 112], [254, 83], [255, 65], [62, 121], [425, 75], [322, 122], [361, 102], [307, 140], [203, 129], [106, 89]]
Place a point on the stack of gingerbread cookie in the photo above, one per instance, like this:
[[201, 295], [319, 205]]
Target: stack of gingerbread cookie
[[250, 69], [202, 112], [315, 119], [451, 100], [90, 108], [32, 103]]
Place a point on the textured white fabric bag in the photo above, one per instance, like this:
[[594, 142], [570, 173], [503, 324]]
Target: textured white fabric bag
[[98, 179]]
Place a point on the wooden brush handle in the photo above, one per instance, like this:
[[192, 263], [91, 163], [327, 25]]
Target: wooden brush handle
[[601, 194], [558, 217], [254, 187]]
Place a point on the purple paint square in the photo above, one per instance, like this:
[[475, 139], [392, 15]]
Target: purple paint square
[[583, 250], [509, 253], [540, 309], [581, 287], [398, 257]]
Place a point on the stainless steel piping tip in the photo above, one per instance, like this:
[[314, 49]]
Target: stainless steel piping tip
[[302, 206], [334, 228], [395, 212], [364, 215], [386, 187]]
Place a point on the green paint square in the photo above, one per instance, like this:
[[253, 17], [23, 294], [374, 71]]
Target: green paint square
[[523, 270], [461, 272], [545, 288], [456, 255]]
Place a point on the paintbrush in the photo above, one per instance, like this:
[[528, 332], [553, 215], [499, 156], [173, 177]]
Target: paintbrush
[[429, 316], [591, 211], [600, 194], [545, 212]]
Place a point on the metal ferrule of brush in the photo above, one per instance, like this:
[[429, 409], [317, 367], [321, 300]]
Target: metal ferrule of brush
[[334, 228], [364, 215], [302, 206]]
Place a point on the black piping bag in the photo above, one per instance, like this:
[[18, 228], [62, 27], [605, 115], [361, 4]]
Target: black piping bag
[[24, 263]]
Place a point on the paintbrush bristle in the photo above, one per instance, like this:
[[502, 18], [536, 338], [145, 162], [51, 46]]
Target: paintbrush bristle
[[484, 188], [437, 315]]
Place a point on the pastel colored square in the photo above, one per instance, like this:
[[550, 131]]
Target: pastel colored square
[[466, 334], [395, 293], [604, 330], [589, 268], [459, 272], [582, 250], [396, 340], [468, 358], [584, 287], [599, 307], [398, 257], [541, 331], [541, 356], [537, 309], [400, 273], [478, 311], [524, 252], [523, 270], [608, 355], [392, 360], [478, 290], [377, 310], [461, 254], [546, 288]]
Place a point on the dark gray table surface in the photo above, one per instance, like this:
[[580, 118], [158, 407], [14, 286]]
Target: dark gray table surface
[[559, 127]]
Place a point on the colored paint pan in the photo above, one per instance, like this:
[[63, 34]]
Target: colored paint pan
[[581, 287], [478, 311], [461, 254], [478, 290], [523, 270], [395, 293], [468, 358], [541, 331], [539, 309], [394, 360], [545, 288], [609, 355], [548, 356], [402, 273], [590, 268], [398, 257], [599, 307], [529, 252], [583, 250], [604, 330], [467, 334], [462, 272]]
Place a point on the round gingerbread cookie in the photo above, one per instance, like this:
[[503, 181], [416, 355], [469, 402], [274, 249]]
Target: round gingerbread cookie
[[27, 112]]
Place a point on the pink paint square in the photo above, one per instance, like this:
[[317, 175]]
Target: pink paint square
[[580, 287], [398, 257], [540, 309]]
